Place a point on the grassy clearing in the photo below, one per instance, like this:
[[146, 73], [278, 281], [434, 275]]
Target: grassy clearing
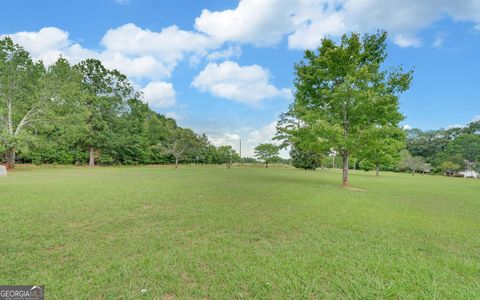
[[209, 232]]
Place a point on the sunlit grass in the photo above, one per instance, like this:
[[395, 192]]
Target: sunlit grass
[[217, 233]]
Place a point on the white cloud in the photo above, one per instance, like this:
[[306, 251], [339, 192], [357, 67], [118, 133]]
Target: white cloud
[[142, 53], [122, 2], [152, 54], [49, 43], [145, 66], [244, 84], [232, 51], [407, 41], [407, 127], [170, 43], [306, 22], [159, 94], [264, 134], [455, 126], [309, 34], [145, 54], [260, 22], [231, 139], [474, 119], [250, 137], [403, 18], [138, 53]]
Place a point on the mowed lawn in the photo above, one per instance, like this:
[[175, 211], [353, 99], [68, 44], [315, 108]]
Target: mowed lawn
[[240, 233]]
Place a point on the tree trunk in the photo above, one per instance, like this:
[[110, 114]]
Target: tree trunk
[[176, 162], [377, 170], [91, 153], [345, 169], [10, 158], [266, 164]]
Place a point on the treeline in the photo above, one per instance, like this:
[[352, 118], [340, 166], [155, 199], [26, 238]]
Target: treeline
[[442, 151], [448, 151], [87, 114]]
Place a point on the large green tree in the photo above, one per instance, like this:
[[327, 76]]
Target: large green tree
[[342, 92], [30, 95], [58, 132], [107, 92]]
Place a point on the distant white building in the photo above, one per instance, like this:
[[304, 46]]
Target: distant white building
[[470, 174]]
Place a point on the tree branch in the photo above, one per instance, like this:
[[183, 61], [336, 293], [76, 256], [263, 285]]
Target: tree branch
[[25, 120]]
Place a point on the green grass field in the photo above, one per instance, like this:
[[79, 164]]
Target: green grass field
[[241, 233]]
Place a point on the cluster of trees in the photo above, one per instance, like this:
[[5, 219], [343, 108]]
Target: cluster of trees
[[447, 150], [346, 103], [86, 113], [346, 106], [443, 151]]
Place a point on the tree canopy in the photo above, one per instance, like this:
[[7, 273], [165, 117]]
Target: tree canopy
[[343, 95], [444, 148], [85, 114], [267, 153]]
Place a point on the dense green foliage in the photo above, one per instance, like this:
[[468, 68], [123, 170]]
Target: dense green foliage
[[305, 159], [345, 101], [380, 147], [227, 155], [252, 233], [83, 114], [449, 150]]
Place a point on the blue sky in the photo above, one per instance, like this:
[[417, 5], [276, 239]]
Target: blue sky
[[226, 67]]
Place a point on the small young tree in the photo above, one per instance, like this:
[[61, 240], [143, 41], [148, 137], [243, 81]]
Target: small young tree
[[226, 155], [33, 97], [449, 167], [179, 142], [267, 152], [413, 163], [107, 92]]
